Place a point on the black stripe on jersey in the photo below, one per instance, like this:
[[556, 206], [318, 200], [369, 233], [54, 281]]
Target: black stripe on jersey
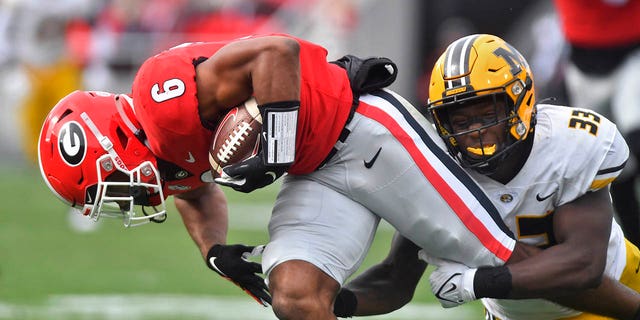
[[614, 169], [448, 161]]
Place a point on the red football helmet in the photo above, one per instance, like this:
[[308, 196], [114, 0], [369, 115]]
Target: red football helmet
[[92, 157]]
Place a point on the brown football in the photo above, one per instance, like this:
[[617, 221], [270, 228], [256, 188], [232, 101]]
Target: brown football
[[236, 137]]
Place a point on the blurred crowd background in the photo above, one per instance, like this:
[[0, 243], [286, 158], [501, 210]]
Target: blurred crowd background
[[50, 48]]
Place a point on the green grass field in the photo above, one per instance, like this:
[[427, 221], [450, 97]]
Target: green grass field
[[50, 271]]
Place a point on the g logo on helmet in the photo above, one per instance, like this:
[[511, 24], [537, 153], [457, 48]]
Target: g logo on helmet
[[72, 143]]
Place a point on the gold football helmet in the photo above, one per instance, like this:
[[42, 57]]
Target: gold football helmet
[[482, 66]]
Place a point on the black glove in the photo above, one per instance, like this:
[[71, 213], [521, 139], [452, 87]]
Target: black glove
[[230, 261], [250, 174], [369, 74]]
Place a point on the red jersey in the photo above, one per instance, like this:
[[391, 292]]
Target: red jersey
[[600, 23], [165, 103]]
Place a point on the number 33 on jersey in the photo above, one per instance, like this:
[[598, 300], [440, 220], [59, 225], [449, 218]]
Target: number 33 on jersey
[[574, 151]]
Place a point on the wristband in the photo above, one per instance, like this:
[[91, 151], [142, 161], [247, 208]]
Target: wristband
[[279, 127], [492, 282], [345, 304]]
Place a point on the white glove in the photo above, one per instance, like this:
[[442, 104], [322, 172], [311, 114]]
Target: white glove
[[451, 282]]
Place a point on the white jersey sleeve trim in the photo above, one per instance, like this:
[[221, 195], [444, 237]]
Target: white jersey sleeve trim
[[612, 164]]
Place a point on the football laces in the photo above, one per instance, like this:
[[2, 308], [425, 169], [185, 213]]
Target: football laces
[[232, 143]]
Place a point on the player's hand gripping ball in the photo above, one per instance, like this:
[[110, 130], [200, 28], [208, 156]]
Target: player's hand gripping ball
[[237, 136]]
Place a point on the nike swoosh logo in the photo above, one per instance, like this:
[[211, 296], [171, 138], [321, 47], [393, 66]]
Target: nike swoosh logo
[[453, 288], [539, 198], [369, 164], [272, 174], [191, 159], [442, 295], [212, 262]]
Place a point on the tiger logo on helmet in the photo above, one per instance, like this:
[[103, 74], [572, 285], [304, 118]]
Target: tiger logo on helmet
[[91, 158], [475, 67]]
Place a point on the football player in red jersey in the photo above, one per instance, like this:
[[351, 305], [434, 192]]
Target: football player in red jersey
[[354, 153], [94, 156], [350, 157]]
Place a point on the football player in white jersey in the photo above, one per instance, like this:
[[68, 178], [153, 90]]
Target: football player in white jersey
[[547, 169]]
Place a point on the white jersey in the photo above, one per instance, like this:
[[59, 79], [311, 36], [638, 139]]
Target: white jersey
[[391, 166], [574, 151]]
